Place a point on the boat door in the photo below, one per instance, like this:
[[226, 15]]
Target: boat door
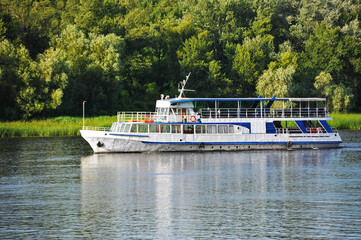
[[184, 114], [188, 133]]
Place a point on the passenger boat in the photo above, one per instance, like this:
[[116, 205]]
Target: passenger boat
[[218, 124]]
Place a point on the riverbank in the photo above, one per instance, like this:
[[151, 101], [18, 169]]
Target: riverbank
[[70, 126], [52, 127]]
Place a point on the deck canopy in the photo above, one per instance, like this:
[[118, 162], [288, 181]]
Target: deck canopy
[[182, 100], [306, 99], [172, 101]]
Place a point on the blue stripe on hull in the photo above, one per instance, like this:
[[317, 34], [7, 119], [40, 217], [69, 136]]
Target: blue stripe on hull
[[128, 135]]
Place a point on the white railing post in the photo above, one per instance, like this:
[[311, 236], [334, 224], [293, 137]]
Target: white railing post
[[84, 113]]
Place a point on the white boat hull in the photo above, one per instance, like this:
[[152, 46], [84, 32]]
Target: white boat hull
[[107, 142]]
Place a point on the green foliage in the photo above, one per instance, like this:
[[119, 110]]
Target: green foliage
[[251, 59], [278, 79], [29, 87], [346, 121], [52, 127], [339, 96], [54, 54], [277, 82], [2, 30], [94, 66]]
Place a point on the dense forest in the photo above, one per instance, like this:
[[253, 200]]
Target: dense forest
[[122, 54]]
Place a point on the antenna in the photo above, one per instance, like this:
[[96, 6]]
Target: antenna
[[181, 88]]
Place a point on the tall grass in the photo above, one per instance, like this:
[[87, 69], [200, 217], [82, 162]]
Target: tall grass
[[346, 121], [70, 126], [59, 126]]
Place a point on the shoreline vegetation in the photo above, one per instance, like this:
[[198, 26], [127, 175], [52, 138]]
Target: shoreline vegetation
[[70, 126]]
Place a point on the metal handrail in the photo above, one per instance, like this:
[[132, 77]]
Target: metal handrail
[[92, 128], [136, 116], [263, 113]]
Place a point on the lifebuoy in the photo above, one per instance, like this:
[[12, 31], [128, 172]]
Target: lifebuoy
[[192, 118], [313, 130]]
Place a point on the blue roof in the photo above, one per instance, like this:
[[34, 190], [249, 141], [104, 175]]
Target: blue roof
[[226, 99]]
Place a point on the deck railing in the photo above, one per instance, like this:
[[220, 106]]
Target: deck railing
[[136, 116], [263, 113], [103, 129]]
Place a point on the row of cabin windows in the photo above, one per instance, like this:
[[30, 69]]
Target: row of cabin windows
[[172, 128]]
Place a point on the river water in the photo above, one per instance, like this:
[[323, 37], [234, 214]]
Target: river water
[[56, 188]]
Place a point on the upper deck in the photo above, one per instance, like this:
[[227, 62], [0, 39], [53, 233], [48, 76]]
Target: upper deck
[[237, 109]]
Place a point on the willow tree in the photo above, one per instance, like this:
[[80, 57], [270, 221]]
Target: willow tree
[[29, 88], [94, 65]]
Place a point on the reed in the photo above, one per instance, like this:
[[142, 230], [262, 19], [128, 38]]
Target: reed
[[51, 127], [350, 121]]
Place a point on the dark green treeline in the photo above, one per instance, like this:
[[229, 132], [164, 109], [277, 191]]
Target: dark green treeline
[[121, 54]]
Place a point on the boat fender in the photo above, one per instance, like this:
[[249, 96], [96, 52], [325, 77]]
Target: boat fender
[[201, 145], [100, 144], [289, 144], [192, 118]]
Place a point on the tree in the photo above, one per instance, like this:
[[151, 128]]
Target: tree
[[29, 88], [330, 51], [310, 14], [32, 22], [250, 60], [339, 96], [197, 57], [94, 66], [9, 80], [278, 79]]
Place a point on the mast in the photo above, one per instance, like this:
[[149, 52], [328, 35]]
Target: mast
[[181, 87]]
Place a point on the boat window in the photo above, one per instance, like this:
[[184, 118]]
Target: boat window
[[188, 129], [222, 129], [176, 128], [114, 127], [175, 111], [165, 128], [133, 129], [142, 128], [154, 128], [200, 129], [230, 129], [211, 129], [122, 126], [163, 111], [127, 127]]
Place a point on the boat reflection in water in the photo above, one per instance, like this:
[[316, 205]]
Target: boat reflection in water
[[191, 195]]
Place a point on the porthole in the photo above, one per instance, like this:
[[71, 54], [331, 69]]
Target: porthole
[[212, 147], [220, 146], [249, 146]]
